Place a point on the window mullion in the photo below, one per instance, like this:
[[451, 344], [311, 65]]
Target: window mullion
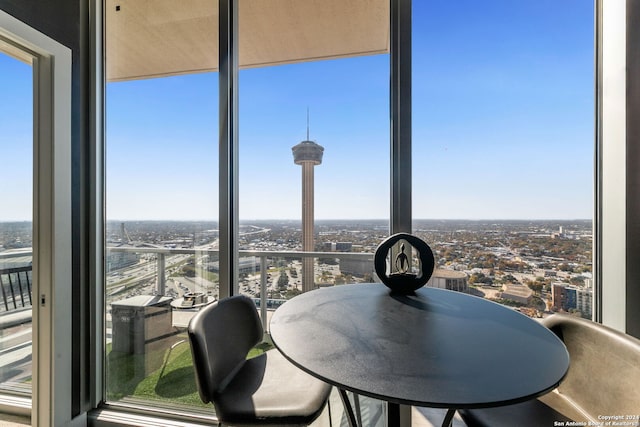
[[228, 116], [400, 107]]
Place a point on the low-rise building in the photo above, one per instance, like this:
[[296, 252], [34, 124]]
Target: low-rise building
[[250, 264], [517, 293], [448, 279]]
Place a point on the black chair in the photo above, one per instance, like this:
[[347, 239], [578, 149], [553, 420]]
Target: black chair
[[264, 390], [603, 380]]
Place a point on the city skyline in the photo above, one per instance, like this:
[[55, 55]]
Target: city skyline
[[502, 127]]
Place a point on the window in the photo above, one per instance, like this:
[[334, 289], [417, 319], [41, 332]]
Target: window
[[313, 144], [503, 94], [161, 196]]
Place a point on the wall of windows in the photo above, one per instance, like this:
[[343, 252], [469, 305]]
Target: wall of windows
[[61, 20], [501, 167]]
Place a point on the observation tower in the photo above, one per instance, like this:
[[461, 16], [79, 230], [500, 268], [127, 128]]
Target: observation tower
[[307, 154]]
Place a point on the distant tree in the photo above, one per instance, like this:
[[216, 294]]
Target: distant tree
[[283, 280], [480, 278], [509, 278], [583, 269], [290, 293], [535, 286], [476, 278], [564, 267], [578, 280], [189, 271], [325, 276]]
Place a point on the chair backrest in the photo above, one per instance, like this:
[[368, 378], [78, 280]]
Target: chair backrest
[[604, 371], [221, 335]]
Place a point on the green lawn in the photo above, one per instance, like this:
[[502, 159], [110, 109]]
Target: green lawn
[[174, 381], [170, 376], [165, 374]]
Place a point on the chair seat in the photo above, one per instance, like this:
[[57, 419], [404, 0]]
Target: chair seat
[[544, 411], [268, 389]]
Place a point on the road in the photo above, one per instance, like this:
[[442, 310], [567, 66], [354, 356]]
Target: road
[[16, 350]]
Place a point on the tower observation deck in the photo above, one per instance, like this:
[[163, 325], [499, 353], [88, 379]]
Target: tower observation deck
[[307, 151], [307, 154]]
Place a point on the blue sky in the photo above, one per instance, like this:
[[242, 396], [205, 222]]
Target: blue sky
[[502, 125], [16, 136], [503, 109]]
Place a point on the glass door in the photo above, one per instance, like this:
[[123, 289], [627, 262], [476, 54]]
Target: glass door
[[16, 215]]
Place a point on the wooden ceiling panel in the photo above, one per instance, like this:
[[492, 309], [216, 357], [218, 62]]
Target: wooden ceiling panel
[[154, 38]]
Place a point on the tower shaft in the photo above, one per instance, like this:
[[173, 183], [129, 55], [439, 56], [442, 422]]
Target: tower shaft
[[308, 282]]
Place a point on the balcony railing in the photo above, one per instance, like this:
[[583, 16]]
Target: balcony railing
[[15, 282], [161, 256]]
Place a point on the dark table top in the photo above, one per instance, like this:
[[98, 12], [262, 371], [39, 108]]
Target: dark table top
[[436, 348]]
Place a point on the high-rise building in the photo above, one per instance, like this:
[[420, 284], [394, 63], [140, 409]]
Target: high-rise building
[[568, 297], [307, 154]]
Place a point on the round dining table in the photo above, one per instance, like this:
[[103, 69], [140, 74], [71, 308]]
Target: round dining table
[[433, 347]]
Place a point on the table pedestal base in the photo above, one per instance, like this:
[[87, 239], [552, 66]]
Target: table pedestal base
[[394, 418]]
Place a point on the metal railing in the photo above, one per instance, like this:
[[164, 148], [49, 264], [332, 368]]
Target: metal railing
[[15, 286], [261, 266], [16, 283]]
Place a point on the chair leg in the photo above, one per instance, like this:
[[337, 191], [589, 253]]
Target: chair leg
[[356, 402], [351, 418], [448, 418]]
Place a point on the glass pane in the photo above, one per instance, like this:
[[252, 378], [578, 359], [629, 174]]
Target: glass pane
[[313, 150], [16, 191], [162, 195], [503, 137], [314, 146]]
